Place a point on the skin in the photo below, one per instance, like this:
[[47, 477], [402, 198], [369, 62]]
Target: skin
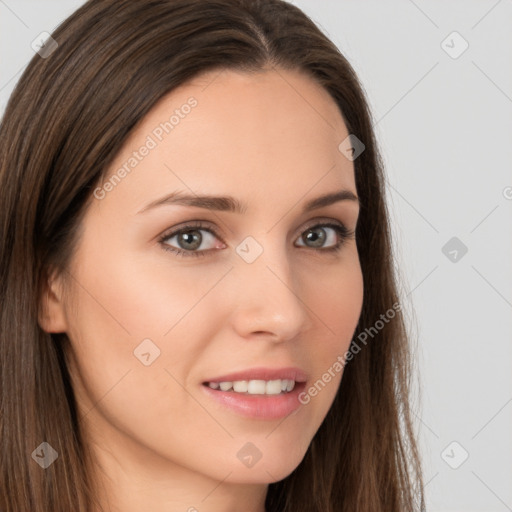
[[270, 140]]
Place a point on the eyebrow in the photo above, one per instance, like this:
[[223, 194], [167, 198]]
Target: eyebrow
[[231, 204]]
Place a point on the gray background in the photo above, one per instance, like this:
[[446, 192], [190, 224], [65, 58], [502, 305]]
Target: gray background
[[444, 124]]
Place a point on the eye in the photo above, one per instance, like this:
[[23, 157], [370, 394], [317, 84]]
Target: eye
[[189, 239], [328, 232]]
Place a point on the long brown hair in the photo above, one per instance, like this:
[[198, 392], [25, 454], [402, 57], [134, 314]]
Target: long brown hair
[[66, 120]]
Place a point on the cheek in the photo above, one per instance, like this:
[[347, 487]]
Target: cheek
[[137, 296], [124, 310], [129, 313], [335, 298]]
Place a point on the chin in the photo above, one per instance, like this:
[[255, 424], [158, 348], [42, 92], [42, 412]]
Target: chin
[[277, 466]]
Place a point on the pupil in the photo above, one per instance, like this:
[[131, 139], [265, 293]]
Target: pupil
[[189, 239], [313, 236]]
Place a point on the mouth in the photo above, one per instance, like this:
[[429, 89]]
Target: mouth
[[260, 393]]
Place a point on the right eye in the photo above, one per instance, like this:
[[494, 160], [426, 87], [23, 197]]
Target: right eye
[[190, 239]]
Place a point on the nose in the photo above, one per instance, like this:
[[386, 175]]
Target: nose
[[268, 298]]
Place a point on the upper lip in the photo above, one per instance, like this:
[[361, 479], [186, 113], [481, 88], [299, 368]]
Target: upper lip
[[261, 373]]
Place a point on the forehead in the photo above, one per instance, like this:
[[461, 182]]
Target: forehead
[[249, 131]]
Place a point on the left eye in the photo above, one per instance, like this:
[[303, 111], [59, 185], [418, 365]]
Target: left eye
[[190, 239]]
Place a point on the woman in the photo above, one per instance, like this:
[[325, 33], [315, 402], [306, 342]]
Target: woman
[[268, 374]]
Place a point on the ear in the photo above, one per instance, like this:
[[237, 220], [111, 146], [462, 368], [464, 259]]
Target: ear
[[51, 315]]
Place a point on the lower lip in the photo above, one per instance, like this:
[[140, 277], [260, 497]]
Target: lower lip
[[266, 407]]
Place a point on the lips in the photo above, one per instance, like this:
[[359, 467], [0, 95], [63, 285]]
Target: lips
[[257, 406], [243, 392]]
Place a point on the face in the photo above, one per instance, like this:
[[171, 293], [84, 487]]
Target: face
[[168, 296]]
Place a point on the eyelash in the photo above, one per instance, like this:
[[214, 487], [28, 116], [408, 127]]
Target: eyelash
[[343, 232]]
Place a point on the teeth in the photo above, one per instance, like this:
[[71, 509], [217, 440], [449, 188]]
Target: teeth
[[226, 386], [256, 387], [240, 386], [273, 387]]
